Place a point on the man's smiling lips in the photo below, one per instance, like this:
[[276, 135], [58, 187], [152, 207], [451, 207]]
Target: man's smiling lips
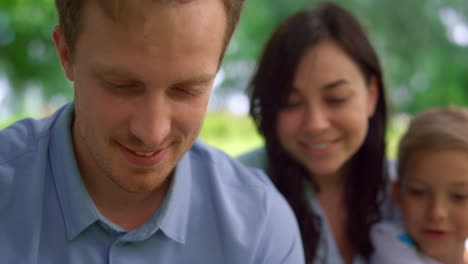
[[144, 154], [143, 158]]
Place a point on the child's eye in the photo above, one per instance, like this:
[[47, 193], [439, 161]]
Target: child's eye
[[459, 197], [416, 192]]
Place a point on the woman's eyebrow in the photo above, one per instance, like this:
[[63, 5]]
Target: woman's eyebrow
[[334, 84]]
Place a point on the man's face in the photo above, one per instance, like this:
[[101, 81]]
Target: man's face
[[141, 89]]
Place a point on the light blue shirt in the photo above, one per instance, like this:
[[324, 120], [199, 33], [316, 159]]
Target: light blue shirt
[[392, 244], [327, 251], [216, 211]]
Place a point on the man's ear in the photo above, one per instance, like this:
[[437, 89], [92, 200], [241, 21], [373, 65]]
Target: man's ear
[[63, 52], [396, 192]]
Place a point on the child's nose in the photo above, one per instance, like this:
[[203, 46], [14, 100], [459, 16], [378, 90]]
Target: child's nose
[[438, 210]]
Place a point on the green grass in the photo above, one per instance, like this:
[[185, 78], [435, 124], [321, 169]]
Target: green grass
[[4, 124], [396, 127], [11, 120], [232, 134]]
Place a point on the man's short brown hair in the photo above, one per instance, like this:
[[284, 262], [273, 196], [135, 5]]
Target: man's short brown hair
[[70, 14]]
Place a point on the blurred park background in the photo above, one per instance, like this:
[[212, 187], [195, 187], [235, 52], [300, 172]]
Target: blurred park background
[[423, 46]]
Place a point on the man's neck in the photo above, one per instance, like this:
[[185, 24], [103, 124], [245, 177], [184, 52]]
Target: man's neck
[[128, 210]]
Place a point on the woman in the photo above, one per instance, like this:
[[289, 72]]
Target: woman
[[317, 98]]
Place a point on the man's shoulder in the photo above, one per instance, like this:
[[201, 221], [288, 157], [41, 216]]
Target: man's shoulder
[[250, 211], [25, 136], [241, 192], [22, 137], [232, 171], [256, 158], [235, 186], [20, 149]]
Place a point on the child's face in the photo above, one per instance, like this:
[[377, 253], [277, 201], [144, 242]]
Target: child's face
[[433, 196]]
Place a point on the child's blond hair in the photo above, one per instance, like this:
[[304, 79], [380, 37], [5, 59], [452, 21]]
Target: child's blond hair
[[434, 129]]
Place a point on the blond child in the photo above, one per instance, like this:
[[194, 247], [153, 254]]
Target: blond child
[[431, 191]]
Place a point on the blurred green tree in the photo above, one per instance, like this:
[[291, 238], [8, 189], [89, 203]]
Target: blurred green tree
[[423, 46], [424, 64], [27, 54]]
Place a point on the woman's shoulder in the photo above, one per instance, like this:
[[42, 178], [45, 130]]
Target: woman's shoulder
[[256, 158]]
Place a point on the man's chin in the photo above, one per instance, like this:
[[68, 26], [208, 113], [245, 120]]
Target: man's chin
[[144, 180]]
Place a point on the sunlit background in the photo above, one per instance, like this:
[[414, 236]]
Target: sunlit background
[[423, 46]]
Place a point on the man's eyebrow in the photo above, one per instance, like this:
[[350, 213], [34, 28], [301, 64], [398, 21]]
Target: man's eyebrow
[[105, 70], [330, 86], [197, 80], [113, 71]]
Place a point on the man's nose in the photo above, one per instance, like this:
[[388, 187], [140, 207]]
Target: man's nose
[[151, 121]]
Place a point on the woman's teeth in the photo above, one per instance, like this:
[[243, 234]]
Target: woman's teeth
[[318, 146]]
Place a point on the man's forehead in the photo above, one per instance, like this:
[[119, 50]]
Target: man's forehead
[[125, 10]]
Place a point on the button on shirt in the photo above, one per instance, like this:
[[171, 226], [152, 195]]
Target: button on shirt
[[216, 210]]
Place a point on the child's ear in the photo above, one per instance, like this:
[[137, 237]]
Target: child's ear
[[396, 192]]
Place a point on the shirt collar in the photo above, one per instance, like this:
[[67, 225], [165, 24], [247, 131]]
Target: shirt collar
[[77, 207]]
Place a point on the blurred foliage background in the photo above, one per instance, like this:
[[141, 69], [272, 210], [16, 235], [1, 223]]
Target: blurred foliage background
[[423, 46]]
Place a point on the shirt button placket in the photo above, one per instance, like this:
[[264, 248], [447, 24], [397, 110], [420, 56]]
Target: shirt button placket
[[117, 252]]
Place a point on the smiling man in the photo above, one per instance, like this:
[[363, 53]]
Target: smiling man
[[117, 176]]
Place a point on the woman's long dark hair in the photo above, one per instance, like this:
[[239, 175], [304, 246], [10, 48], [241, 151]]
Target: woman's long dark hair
[[366, 181]]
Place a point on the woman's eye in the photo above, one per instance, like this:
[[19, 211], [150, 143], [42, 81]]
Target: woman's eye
[[292, 102], [336, 100], [291, 105]]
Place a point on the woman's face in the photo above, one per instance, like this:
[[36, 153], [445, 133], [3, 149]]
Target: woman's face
[[325, 119]]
